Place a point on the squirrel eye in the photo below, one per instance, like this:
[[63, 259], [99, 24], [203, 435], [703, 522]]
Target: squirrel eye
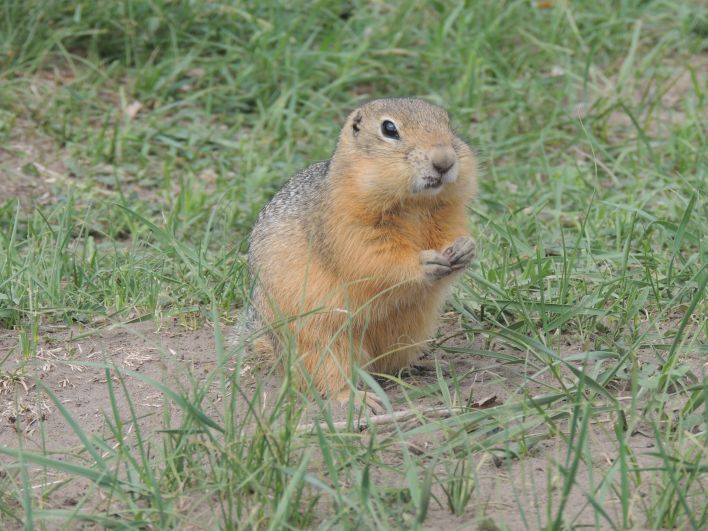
[[388, 128]]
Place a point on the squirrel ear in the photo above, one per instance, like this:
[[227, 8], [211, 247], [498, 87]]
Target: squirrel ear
[[356, 123]]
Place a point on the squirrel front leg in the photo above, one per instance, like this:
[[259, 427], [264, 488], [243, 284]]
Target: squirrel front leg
[[394, 261], [437, 265]]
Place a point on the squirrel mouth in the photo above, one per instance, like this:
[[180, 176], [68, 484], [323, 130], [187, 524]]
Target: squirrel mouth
[[432, 183]]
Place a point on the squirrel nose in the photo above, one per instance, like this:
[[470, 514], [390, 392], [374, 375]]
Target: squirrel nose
[[442, 166], [442, 158]]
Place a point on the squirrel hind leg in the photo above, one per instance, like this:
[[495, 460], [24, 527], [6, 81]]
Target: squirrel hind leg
[[329, 366], [362, 399]]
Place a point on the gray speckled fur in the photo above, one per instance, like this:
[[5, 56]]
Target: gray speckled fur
[[297, 202], [298, 206]]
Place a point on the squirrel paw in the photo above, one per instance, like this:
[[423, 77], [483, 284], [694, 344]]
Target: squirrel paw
[[435, 265], [460, 253], [362, 399]]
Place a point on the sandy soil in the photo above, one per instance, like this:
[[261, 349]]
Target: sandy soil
[[664, 102], [28, 417], [29, 165], [176, 355]]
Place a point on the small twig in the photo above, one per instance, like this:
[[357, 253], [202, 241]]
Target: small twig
[[388, 418], [598, 162]]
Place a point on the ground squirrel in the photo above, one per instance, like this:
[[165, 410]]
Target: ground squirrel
[[353, 258]]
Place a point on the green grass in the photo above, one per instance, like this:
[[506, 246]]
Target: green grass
[[589, 120]]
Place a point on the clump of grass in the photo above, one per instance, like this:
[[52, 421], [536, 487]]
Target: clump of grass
[[460, 485]]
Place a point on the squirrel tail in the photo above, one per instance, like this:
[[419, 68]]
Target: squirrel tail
[[255, 349]]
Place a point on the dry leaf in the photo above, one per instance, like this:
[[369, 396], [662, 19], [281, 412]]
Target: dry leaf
[[485, 402], [133, 109]]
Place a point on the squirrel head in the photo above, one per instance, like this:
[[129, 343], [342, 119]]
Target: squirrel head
[[403, 148]]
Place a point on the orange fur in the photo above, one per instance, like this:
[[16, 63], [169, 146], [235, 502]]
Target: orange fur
[[369, 305]]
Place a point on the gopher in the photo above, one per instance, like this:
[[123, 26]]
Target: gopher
[[354, 257]]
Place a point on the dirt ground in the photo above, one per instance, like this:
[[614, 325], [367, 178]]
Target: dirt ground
[[174, 354], [30, 165], [28, 417]]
